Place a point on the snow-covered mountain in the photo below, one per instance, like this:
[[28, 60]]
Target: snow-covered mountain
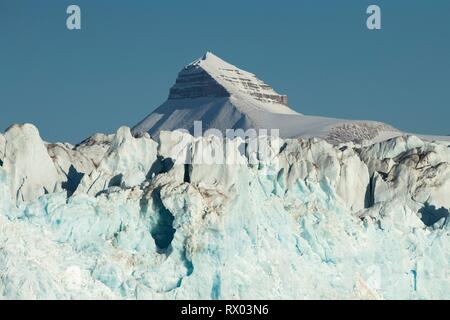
[[222, 96], [332, 213]]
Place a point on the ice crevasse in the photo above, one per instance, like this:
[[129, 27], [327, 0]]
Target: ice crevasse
[[116, 217]]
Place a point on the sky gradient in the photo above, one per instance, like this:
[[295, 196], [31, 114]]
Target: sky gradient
[[120, 66]]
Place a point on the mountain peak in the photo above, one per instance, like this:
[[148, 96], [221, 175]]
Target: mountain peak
[[209, 55], [221, 96], [210, 63], [211, 76]]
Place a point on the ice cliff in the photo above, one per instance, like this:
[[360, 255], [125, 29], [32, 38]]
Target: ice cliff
[[120, 217]]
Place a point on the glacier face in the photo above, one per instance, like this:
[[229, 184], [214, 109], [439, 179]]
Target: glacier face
[[119, 217]]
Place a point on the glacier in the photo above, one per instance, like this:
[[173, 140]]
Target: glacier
[[124, 217]]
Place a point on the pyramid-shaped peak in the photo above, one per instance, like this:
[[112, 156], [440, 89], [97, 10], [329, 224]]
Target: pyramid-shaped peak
[[209, 62], [211, 76], [221, 96], [209, 55]]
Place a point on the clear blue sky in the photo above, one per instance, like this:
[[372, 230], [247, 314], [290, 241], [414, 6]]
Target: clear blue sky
[[120, 66]]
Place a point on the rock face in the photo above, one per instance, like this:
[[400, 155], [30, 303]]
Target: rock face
[[212, 77], [207, 218], [222, 96], [194, 83]]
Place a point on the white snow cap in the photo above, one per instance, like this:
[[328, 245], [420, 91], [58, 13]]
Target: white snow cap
[[210, 71], [221, 96]]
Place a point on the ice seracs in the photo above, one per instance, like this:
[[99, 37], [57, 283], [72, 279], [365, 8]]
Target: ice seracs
[[415, 171], [174, 219], [127, 163], [222, 97], [31, 171]]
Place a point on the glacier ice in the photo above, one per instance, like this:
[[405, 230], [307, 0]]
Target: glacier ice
[[126, 163], [31, 170], [119, 217]]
